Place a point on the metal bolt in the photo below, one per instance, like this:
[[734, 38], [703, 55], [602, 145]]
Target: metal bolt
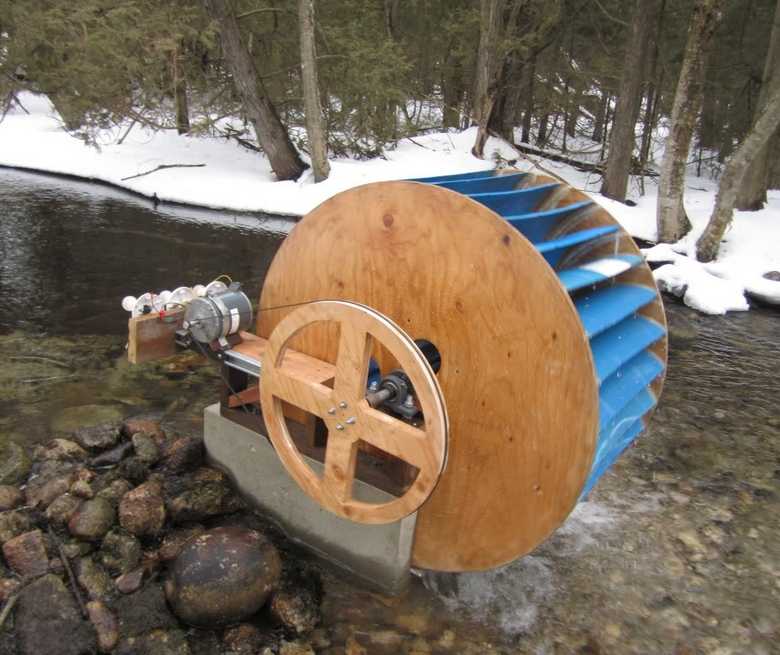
[[332, 410], [343, 404], [373, 386], [339, 426], [409, 402], [350, 421]]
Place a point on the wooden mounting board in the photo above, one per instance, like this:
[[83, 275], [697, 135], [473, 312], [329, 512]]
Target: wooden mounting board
[[150, 337], [517, 373]]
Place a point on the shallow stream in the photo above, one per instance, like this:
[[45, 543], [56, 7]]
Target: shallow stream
[[676, 551]]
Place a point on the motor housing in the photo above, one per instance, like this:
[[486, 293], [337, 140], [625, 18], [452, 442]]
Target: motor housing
[[217, 316]]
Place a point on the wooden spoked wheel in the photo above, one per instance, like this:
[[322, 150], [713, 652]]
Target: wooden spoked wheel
[[348, 416]]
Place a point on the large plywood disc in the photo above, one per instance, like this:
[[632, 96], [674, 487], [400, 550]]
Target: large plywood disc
[[517, 374]]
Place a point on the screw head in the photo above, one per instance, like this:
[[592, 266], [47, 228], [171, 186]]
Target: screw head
[[339, 426], [343, 404], [332, 410], [350, 421]]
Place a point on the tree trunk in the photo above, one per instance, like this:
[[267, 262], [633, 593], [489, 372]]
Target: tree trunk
[[763, 129], [601, 113], [529, 100], [453, 94], [541, 135], [622, 140], [752, 192], [271, 134], [672, 221], [315, 122], [485, 80], [180, 94]]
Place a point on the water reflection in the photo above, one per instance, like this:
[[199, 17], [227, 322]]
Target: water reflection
[[69, 251]]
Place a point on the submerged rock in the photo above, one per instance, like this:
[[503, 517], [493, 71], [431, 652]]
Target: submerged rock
[[149, 426], [61, 450], [143, 611], [120, 552], [105, 625], [113, 456], [223, 576], [146, 448], [200, 501], [157, 642], [243, 638], [142, 511], [10, 497], [93, 579], [184, 454], [13, 523], [48, 621], [26, 554], [53, 479], [114, 492], [62, 509], [92, 520], [129, 583], [14, 463], [296, 603], [174, 541], [76, 419], [133, 469], [98, 437]]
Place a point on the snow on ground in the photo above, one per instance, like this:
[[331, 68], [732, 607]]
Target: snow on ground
[[235, 178], [750, 249], [232, 178]]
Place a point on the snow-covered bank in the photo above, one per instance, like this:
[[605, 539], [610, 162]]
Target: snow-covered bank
[[234, 178]]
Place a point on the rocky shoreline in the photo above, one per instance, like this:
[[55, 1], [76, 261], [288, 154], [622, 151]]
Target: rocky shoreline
[[115, 540]]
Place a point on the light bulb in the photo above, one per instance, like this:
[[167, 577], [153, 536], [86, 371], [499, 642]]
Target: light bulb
[[215, 288], [144, 300], [128, 302], [181, 296], [200, 290]]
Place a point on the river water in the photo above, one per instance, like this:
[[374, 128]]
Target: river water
[[676, 551]]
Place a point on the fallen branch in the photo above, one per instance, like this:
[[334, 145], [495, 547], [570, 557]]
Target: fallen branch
[[163, 167], [585, 166], [7, 608], [73, 582]]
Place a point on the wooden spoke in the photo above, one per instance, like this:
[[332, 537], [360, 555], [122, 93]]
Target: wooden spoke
[[312, 397], [340, 460], [347, 414], [352, 362], [399, 439]]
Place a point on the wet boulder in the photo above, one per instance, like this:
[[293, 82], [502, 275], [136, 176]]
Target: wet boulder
[[10, 497], [134, 470], [223, 576], [61, 450], [142, 611], [92, 520], [26, 554], [48, 621], [142, 511], [243, 638], [75, 419], [52, 478], [113, 456], [129, 583], [120, 552], [14, 463]]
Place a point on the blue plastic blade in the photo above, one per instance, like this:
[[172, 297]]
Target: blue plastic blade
[[458, 176], [484, 184], [535, 226], [600, 466], [615, 346], [597, 271], [603, 308], [514, 203], [624, 384], [554, 249]]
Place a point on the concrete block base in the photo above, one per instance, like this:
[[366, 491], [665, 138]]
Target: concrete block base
[[378, 554]]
